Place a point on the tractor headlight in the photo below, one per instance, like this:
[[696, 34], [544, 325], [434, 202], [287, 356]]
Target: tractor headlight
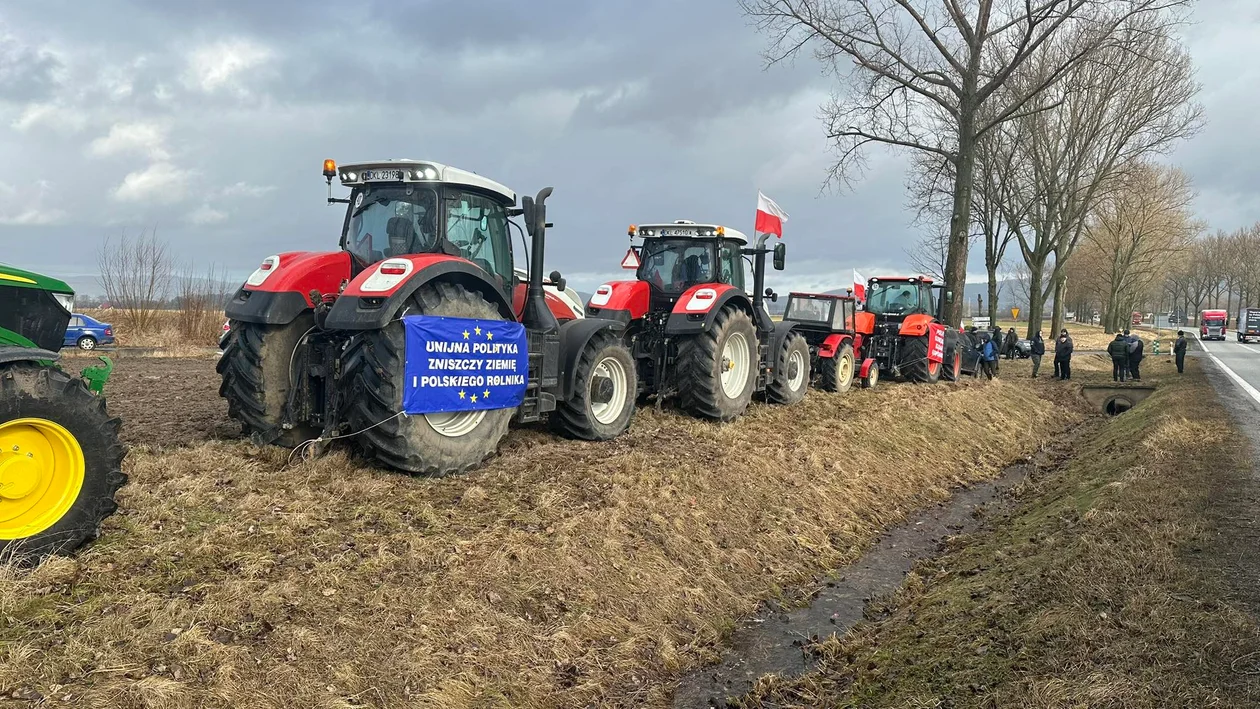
[[66, 300]]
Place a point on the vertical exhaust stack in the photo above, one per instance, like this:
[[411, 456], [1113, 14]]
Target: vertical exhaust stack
[[759, 272], [536, 315]]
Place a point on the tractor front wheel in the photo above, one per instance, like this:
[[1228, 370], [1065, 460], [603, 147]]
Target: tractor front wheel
[[435, 444], [604, 394], [256, 371], [871, 378], [835, 374], [718, 368], [60, 462], [791, 376], [914, 361], [953, 372]]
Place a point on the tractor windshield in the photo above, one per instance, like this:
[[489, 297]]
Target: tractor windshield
[[390, 221], [896, 299], [674, 265]]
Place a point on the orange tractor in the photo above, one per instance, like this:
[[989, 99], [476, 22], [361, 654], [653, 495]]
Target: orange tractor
[[903, 332]]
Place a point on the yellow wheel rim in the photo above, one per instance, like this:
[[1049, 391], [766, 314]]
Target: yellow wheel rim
[[41, 475]]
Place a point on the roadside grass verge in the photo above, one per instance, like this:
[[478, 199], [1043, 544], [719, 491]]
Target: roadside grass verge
[[562, 574], [1092, 594]]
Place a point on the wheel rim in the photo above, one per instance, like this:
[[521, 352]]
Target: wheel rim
[[874, 376], [796, 370], [87, 344], [957, 365], [609, 411], [41, 474], [456, 423], [845, 368], [735, 365], [934, 368]]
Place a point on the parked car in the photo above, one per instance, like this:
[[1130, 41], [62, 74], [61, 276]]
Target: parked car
[[87, 333]]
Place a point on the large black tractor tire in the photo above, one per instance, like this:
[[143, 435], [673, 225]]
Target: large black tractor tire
[[60, 462], [835, 374], [432, 444], [791, 374], [256, 371], [914, 361], [952, 368], [704, 358], [604, 393]]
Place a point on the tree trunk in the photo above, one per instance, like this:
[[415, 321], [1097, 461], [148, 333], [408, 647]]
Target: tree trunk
[[960, 218], [1060, 294], [993, 293], [1036, 301]]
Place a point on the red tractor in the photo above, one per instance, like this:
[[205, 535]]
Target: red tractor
[[321, 343], [828, 322], [693, 330], [904, 333]]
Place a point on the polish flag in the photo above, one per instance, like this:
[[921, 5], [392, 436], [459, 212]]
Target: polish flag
[[859, 287], [770, 216]]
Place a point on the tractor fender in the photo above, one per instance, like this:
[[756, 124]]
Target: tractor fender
[[864, 322], [558, 303], [699, 306], [915, 325], [832, 344], [372, 299], [781, 330], [620, 300], [574, 336], [279, 290], [865, 369], [27, 354]]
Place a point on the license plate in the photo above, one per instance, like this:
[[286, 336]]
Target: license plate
[[678, 232], [382, 175]]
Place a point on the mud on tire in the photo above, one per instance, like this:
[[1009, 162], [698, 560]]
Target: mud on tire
[[915, 365], [604, 393], [784, 388], [31, 391], [835, 374], [433, 444], [701, 364], [255, 367]]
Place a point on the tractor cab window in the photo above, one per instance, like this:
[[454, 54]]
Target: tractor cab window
[[898, 299], [674, 265], [842, 316], [731, 264], [391, 221], [808, 310], [477, 226]]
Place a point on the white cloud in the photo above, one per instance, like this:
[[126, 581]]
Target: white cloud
[[48, 115], [205, 215], [132, 138], [244, 189], [26, 205], [162, 183], [219, 66]]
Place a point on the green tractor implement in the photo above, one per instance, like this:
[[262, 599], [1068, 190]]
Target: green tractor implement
[[60, 455]]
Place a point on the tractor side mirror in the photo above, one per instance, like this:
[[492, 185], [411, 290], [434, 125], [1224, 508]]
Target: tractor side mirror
[[774, 297], [527, 210], [780, 255], [557, 280]]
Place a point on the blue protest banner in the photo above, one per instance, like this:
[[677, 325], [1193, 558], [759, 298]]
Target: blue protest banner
[[460, 364]]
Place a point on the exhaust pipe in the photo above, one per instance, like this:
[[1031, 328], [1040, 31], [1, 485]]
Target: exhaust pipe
[[536, 315]]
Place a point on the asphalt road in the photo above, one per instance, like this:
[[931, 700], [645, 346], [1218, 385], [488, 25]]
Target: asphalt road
[[1240, 363]]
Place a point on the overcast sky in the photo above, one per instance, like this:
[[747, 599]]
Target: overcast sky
[[210, 120]]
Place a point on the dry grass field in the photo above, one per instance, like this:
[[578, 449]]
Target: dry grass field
[[562, 574], [182, 334]]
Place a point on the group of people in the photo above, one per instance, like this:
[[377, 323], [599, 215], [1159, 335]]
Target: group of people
[[1126, 357], [994, 345]]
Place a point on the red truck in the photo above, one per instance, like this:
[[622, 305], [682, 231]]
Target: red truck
[[1212, 324]]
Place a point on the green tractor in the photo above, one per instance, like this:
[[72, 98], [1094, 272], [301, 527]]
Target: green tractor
[[60, 456]]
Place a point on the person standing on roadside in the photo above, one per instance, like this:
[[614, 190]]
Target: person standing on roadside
[[1118, 350], [1135, 358], [1063, 355], [1179, 350], [996, 338], [1038, 349], [1009, 346], [989, 358]]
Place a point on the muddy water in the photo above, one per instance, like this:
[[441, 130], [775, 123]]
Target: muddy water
[[775, 641]]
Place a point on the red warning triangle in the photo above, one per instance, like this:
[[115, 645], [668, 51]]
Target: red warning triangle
[[631, 260]]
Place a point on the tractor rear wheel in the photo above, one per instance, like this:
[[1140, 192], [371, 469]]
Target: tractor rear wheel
[[60, 462], [791, 375], [435, 444], [604, 394], [835, 374], [256, 368], [953, 372], [718, 368], [914, 361]]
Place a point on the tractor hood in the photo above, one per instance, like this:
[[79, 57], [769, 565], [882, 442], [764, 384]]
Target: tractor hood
[[18, 278], [34, 309]]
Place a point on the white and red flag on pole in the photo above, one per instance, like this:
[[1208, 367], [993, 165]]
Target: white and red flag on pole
[[770, 216], [859, 287]]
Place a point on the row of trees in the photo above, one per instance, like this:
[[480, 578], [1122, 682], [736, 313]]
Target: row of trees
[[1028, 121]]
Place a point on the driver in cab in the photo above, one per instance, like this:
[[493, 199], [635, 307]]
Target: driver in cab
[[905, 301]]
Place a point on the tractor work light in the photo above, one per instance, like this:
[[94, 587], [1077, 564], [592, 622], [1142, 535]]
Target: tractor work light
[[632, 229]]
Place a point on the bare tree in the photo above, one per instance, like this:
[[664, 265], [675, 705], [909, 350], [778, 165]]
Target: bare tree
[[200, 297], [135, 273], [927, 75]]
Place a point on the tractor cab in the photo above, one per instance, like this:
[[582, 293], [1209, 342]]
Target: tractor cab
[[675, 257], [893, 299], [821, 312], [406, 207]]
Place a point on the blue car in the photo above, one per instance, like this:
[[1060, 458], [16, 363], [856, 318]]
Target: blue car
[[86, 333]]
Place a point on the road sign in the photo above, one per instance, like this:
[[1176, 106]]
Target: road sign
[[1015, 313]]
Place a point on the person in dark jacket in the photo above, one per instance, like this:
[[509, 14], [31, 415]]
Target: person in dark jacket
[[989, 358], [1063, 355], [1135, 358], [1118, 350], [996, 337], [1179, 349], [1038, 349], [1009, 345]]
